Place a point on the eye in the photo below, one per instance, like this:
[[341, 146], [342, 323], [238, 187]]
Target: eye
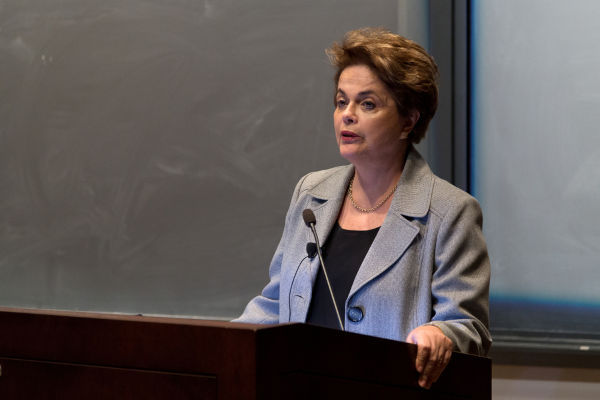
[[368, 105], [340, 103]]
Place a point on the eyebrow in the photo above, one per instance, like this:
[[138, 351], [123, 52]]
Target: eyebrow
[[360, 94]]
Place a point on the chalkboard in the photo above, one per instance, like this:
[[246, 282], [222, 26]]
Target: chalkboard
[[148, 148]]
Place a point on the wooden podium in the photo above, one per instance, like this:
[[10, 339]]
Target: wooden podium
[[70, 355]]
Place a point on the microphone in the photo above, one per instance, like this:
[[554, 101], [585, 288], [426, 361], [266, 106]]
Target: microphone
[[309, 217], [310, 220], [311, 250]]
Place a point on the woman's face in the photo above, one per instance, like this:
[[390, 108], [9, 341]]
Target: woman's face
[[367, 124]]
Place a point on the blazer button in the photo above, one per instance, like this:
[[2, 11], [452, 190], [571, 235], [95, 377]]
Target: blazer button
[[356, 314]]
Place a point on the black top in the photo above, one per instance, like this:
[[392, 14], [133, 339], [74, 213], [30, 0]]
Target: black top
[[343, 252]]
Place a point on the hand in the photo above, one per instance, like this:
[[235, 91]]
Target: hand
[[433, 352]]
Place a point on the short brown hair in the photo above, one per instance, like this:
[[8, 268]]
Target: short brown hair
[[402, 65]]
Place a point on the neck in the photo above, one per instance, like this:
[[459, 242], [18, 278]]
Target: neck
[[372, 181]]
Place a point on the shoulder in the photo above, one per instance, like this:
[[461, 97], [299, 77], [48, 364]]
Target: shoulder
[[421, 192], [325, 177], [447, 199]]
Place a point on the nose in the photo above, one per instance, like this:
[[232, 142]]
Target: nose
[[349, 116]]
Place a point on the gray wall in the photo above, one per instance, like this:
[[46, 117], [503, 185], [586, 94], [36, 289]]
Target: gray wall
[[537, 117], [148, 148]]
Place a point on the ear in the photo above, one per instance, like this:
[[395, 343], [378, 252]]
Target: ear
[[410, 120]]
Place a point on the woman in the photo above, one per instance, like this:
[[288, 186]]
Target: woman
[[404, 249]]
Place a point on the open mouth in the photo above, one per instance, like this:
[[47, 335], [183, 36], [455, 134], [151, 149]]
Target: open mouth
[[349, 135]]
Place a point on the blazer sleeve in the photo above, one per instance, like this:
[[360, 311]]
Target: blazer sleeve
[[460, 285], [264, 308]]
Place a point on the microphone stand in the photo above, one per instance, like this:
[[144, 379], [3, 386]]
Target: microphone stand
[[310, 220]]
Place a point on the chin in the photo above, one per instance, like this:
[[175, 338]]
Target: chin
[[347, 154]]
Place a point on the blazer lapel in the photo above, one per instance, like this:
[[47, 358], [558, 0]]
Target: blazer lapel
[[412, 199], [328, 197], [326, 201], [394, 237]]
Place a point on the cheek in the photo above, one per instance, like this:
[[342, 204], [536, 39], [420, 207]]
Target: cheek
[[392, 129], [337, 118]]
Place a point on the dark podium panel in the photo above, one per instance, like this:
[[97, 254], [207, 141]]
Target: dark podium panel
[[70, 355]]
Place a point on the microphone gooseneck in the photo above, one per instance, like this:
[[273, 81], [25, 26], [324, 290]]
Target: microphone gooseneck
[[310, 220]]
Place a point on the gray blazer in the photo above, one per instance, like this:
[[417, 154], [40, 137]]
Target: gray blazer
[[428, 263]]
